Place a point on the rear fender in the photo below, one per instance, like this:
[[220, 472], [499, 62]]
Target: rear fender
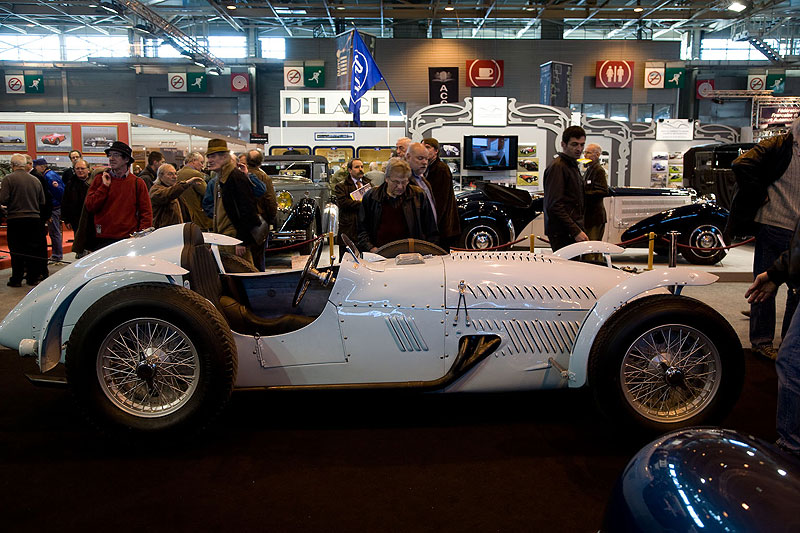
[[107, 276], [613, 300], [576, 249]]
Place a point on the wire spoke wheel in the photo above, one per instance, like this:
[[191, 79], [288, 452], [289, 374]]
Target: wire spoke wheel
[[670, 373], [148, 367]]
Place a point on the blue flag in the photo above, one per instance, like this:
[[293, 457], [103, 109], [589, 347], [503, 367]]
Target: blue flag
[[364, 76]]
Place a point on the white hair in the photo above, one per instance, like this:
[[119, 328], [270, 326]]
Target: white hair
[[163, 169], [18, 161]]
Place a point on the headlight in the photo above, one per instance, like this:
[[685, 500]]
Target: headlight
[[285, 200]]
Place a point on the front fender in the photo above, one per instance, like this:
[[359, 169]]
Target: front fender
[[117, 268], [577, 249], [614, 299]]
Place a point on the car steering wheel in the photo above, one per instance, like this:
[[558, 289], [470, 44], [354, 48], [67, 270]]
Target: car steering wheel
[[310, 271], [354, 251]]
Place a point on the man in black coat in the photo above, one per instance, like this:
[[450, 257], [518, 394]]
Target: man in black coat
[[349, 206], [441, 181], [767, 204], [595, 188], [563, 192]]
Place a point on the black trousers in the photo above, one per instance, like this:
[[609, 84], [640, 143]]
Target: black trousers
[[559, 241], [28, 247]]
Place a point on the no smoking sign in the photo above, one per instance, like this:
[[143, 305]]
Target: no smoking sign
[[756, 83], [293, 77], [177, 82], [15, 84]]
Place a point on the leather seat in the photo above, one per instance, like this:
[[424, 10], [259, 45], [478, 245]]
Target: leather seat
[[204, 279]]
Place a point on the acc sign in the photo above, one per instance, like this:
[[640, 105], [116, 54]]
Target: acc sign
[[614, 74]]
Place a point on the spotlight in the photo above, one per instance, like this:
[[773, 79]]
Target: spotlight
[[449, 6], [230, 7], [529, 6], [737, 6]]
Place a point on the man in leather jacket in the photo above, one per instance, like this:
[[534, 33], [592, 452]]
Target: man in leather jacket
[[563, 192], [395, 210], [767, 205], [785, 269]]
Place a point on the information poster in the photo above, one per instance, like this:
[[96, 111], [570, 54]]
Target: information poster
[[53, 137], [676, 169], [527, 166], [450, 153], [659, 169], [12, 137]]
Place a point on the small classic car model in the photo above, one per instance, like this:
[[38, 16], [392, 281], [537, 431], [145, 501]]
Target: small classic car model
[[99, 141], [10, 139], [305, 206], [53, 138], [705, 479], [155, 335]]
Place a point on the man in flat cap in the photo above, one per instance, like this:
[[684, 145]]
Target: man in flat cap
[[118, 199]]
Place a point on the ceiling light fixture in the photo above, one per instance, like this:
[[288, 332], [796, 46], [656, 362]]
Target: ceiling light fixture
[[449, 6], [230, 7], [340, 6], [529, 6], [737, 6]]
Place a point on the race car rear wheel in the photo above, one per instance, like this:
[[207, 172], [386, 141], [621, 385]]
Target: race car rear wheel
[[151, 357], [666, 362], [704, 236]]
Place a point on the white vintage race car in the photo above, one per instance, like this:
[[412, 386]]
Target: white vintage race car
[[155, 335]]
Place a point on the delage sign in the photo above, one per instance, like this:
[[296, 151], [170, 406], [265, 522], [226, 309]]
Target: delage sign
[[331, 106]]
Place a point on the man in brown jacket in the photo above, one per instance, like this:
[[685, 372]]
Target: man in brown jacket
[[192, 197], [444, 196], [165, 193], [348, 207], [563, 192]]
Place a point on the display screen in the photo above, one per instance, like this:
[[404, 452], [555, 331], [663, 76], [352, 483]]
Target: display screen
[[490, 152]]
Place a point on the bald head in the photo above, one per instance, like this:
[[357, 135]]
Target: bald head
[[417, 157], [593, 152]]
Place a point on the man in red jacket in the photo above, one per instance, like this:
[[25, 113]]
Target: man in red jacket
[[118, 199]]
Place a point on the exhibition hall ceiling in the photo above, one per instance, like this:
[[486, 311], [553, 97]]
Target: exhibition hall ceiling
[[644, 19]]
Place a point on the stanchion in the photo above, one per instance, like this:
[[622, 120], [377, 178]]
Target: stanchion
[[651, 250], [673, 248], [533, 241], [330, 245]]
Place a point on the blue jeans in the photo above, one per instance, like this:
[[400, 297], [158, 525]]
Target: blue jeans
[[788, 367], [771, 242], [54, 228]]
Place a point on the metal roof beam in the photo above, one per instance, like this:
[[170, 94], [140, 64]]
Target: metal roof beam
[[227, 18], [285, 27]]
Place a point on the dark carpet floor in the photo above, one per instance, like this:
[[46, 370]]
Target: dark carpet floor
[[278, 461]]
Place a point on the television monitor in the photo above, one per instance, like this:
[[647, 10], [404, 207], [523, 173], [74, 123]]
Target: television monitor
[[490, 152]]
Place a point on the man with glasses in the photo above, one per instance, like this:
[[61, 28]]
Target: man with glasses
[[767, 204], [118, 199], [395, 210], [75, 194]]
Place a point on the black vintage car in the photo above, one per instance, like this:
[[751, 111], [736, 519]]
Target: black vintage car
[[492, 214], [699, 225]]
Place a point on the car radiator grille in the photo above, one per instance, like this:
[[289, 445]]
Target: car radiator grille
[[505, 256], [493, 292], [533, 336], [405, 333]]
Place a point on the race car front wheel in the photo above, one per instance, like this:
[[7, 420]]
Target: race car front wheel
[[151, 357], [665, 362]]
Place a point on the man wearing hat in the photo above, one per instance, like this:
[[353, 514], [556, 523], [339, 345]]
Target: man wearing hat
[[235, 212], [441, 181], [118, 200], [55, 186]]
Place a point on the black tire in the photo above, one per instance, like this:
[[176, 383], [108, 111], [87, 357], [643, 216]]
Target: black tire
[[232, 263], [481, 234], [703, 236], [634, 372], [119, 390]]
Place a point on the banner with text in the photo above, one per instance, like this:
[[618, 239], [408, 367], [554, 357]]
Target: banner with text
[[331, 106]]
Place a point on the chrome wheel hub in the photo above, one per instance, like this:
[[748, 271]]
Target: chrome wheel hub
[[481, 238], [670, 373], [148, 367]]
